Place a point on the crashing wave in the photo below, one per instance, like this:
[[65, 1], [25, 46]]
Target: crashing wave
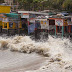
[[58, 51]]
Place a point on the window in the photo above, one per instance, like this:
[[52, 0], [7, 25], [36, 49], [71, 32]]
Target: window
[[5, 25], [51, 22], [10, 25]]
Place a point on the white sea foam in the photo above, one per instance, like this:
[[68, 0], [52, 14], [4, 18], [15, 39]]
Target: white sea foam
[[58, 51]]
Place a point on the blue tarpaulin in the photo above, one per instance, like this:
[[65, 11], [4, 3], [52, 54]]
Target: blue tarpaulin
[[13, 15], [37, 25], [31, 28]]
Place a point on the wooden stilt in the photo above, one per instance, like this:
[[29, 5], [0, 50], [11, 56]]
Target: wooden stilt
[[69, 29], [62, 31], [28, 27], [55, 31]]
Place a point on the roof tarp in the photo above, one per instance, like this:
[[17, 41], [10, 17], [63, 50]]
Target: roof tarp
[[13, 15]]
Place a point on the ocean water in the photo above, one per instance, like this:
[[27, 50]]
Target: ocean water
[[57, 51]]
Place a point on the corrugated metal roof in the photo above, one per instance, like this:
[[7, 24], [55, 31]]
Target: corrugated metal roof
[[12, 15], [32, 12]]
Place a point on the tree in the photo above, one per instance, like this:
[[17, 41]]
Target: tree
[[67, 4], [1, 1], [45, 4]]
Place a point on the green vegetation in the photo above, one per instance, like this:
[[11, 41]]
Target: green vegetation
[[45, 4], [37, 5], [1, 1]]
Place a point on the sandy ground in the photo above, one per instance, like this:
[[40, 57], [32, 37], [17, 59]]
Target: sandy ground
[[19, 62]]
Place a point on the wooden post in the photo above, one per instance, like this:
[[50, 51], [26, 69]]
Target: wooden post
[[7, 28], [7, 25], [62, 31], [28, 26], [3, 25], [69, 29], [55, 30]]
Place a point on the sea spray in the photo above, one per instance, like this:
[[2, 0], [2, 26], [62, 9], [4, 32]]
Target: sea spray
[[61, 56], [26, 44], [58, 51]]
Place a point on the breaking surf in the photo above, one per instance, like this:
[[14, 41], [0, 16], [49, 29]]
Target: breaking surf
[[58, 51]]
